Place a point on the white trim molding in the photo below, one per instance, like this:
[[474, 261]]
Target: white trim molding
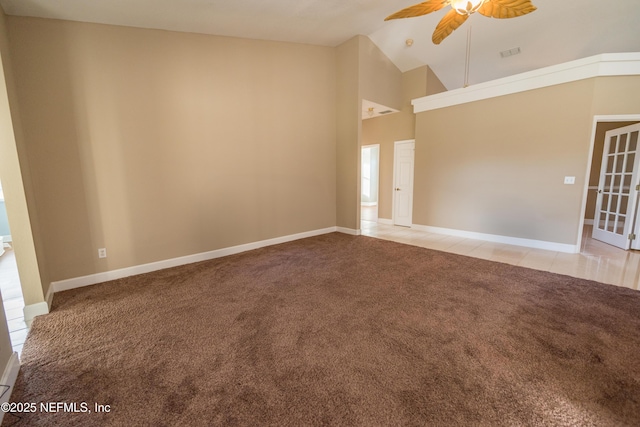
[[516, 241], [349, 231], [604, 65], [32, 310], [92, 279], [8, 379], [413, 173]]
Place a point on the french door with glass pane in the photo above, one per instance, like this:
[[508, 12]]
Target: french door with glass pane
[[618, 187]]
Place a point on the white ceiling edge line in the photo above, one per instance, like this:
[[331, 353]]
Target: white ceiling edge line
[[603, 65]]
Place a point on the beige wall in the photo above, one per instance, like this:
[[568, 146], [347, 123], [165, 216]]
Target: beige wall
[[385, 130], [500, 171], [616, 95], [9, 175], [16, 180], [157, 144], [434, 85], [348, 102], [379, 79], [363, 73]]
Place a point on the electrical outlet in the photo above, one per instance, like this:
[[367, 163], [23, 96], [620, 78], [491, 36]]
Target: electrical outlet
[[102, 253], [569, 179]]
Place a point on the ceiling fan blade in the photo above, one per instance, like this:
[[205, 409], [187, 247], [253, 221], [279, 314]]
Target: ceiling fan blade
[[506, 8], [419, 9], [447, 25]]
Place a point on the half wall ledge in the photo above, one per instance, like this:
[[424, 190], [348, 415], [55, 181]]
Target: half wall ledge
[[604, 65]]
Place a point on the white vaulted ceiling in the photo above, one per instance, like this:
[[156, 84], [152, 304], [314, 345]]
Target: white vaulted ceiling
[[559, 31]]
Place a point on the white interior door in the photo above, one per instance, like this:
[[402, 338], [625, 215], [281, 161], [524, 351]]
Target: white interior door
[[618, 187], [403, 183]]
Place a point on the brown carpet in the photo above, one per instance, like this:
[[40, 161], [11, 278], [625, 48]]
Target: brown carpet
[[338, 330]]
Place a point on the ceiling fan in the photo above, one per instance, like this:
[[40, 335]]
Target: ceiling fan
[[461, 10]]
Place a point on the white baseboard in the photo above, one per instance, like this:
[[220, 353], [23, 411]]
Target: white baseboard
[[517, 241], [350, 231], [32, 310], [8, 379], [385, 221], [92, 279]]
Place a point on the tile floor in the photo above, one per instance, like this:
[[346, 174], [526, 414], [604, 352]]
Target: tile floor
[[12, 299], [596, 261]]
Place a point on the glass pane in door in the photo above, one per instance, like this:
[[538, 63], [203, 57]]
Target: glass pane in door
[[617, 193]]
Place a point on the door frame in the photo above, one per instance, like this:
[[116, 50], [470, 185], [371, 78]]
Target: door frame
[[611, 156], [596, 119], [393, 190]]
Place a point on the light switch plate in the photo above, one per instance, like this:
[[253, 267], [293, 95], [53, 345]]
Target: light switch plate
[[569, 179]]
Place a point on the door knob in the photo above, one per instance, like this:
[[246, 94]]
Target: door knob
[[397, 189]]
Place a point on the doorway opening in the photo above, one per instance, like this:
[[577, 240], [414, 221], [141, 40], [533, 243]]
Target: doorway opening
[[370, 182], [609, 211], [10, 288]]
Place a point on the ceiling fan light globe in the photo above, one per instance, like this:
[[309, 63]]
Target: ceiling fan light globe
[[466, 7]]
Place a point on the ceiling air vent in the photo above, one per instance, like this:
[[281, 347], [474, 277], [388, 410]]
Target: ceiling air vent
[[510, 52], [385, 112]]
